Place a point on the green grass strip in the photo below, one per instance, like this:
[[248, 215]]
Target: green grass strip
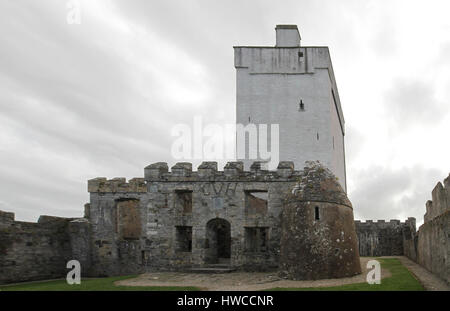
[[400, 280]]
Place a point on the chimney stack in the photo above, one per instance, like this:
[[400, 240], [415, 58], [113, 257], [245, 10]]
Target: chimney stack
[[287, 36]]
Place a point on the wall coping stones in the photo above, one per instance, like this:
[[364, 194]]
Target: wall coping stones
[[232, 172], [392, 222], [46, 219], [182, 169], [101, 184], [155, 170], [440, 202]]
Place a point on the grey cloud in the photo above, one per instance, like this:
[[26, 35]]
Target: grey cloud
[[397, 193], [354, 142], [73, 109], [412, 103]]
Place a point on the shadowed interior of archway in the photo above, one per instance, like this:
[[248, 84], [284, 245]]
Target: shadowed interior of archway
[[218, 241]]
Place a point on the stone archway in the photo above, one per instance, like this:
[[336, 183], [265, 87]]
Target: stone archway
[[218, 241]]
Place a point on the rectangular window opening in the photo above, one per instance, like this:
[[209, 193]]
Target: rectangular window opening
[[256, 202], [128, 219], [184, 201], [256, 239], [183, 239], [143, 261]]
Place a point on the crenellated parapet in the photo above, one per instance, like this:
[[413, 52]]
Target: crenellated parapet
[[208, 171], [119, 185], [440, 202], [385, 224]]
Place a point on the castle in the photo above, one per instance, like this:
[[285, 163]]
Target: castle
[[295, 218]]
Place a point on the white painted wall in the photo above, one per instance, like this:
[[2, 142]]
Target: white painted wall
[[271, 81]]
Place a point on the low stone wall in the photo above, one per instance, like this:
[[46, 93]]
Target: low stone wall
[[33, 251], [36, 251]]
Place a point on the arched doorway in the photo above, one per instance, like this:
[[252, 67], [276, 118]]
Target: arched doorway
[[218, 241]]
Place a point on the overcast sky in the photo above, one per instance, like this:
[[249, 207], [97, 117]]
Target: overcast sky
[[100, 98]]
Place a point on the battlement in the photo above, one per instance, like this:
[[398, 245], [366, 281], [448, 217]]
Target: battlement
[[206, 172], [385, 238], [120, 184], [232, 171], [440, 202], [384, 223], [6, 218]]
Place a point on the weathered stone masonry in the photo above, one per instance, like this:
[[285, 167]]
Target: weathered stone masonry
[[318, 232], [190, 219], [384, 238], [34, 251], [167, 220], [433, 238], [429, 246], [176, 220]]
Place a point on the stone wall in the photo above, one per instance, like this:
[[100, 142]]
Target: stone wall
[[33, 251], [37, 251], [183, 218], [318, 231], [381, 238], [180, 215], [433, 237]]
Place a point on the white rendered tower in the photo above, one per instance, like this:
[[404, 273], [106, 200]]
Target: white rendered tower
[[295, 87]]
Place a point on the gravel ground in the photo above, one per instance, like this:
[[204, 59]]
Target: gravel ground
[[239, 281]]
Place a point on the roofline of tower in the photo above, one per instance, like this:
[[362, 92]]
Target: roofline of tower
[[330, 72], [278, 47]]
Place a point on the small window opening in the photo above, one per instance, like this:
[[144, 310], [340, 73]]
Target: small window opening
[[317, 136], [301, 105], [249, 119], [300, 54], [316, 213]]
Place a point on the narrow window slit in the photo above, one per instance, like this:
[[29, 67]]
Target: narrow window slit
[[316, 213]]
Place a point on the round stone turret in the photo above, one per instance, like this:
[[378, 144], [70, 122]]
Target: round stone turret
[[318, 238]]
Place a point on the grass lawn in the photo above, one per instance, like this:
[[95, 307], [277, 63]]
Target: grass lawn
[[97, 284], [401, 280]]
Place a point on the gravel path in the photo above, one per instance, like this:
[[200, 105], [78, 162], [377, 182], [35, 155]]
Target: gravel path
[[429, 281], [239, 281]]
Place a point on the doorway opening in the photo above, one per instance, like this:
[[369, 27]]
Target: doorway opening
[[218, 241]]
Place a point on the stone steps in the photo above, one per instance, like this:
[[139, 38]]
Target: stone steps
[[213, 269]]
